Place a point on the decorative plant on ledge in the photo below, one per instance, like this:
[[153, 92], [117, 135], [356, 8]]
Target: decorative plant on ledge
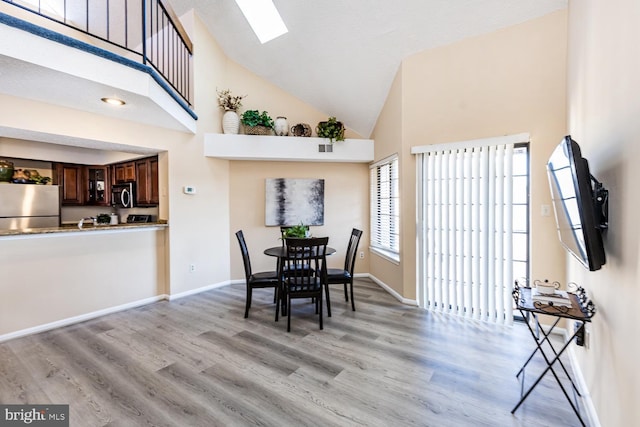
[[332, 129], [256, 123], [228, 102]]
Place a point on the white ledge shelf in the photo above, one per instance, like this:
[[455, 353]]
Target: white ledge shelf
[[286, 148]]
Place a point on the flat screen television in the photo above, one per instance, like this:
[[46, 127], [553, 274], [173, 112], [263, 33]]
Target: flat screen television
[[579, 203]]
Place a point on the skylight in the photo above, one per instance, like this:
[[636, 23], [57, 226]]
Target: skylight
[[264, 19]]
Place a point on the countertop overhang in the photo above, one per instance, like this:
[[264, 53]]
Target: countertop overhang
[[73, 229]]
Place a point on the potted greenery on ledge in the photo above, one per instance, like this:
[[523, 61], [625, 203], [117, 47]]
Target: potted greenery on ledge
[[256, 123], [332, 129]]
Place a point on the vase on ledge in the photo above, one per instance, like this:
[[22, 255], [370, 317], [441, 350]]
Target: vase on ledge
[[281, 126], [230, 122]]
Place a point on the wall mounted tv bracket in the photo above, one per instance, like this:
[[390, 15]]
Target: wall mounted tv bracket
[[600, 204]]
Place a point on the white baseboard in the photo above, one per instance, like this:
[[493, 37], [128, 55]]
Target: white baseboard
[[80, 318], [110, 310], [390, 290], [174, 297]]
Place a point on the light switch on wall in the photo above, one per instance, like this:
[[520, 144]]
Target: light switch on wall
[[188, 189], [546, 210]]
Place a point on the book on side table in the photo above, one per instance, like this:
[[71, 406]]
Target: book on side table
[[560, 298]]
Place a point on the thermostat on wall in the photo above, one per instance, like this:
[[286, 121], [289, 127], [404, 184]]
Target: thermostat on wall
[[189, 189]]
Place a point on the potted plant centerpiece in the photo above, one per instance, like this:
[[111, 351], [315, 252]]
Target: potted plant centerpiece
[[299, 231], [256, 123], [230, 104]]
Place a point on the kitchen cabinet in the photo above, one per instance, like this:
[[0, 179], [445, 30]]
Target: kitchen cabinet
[[82, 185], [70, 178], [97, 186], [124, 172], [147, 182]]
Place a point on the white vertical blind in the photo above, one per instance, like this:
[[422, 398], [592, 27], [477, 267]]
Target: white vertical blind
[[465, 246]]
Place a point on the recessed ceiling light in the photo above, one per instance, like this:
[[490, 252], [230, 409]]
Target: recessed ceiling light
[[113, 101], [264, 18]]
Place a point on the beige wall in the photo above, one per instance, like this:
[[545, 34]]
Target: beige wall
[[507, 82], [346, 206], [346, 184], [603, 111], [388, 138], [264, 96]]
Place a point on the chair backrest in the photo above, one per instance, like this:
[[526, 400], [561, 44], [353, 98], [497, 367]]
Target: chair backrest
[[352, 249], [306, 258], [245, 254]]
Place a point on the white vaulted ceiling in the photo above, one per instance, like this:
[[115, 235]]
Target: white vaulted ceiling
[[341, 56]]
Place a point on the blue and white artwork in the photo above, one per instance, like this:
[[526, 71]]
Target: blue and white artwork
[[291, 201]]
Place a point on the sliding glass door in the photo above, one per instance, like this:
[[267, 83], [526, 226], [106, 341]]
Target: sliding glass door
[[472, 225]]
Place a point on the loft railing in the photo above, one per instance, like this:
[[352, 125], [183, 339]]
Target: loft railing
[[145, 28]]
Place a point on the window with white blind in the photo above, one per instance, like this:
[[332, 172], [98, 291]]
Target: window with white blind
[[385, 208]]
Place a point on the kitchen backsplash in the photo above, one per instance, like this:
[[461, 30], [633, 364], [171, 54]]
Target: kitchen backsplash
[[73, 214]]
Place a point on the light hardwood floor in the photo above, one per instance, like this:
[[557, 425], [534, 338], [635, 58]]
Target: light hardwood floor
[[197, 362]]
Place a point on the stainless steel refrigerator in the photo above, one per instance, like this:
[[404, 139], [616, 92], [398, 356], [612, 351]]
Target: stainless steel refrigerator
[[29, 206]]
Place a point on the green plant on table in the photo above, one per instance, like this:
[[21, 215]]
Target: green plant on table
[[256, 118], [298, 231]]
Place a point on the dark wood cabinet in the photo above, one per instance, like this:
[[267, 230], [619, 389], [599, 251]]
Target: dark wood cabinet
[[98, 187], [83, 185], [124, 172], [70, 178], [147, 182]]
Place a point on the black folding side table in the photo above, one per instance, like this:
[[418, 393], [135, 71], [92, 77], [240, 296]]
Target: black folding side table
[[581, 310]]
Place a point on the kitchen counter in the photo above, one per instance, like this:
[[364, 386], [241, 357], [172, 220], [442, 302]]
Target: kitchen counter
[[87, 228]]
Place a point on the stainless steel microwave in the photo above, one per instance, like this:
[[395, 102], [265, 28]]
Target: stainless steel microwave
[[123, 195]]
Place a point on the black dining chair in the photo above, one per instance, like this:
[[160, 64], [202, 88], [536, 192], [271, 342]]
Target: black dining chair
[[264, 279], [337, 276], [303, 277], [283, 231]]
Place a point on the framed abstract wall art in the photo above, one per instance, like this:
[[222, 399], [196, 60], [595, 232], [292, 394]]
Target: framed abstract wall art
[[291, 201]]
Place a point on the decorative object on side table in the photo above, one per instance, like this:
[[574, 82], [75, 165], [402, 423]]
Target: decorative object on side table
[[256, 123], [301, 129], [230, 104], [281, 126]]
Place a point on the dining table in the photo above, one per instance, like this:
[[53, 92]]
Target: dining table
[[280, 252]]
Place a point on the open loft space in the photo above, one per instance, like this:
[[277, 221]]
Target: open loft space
[[423, 209], [105, 58]]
